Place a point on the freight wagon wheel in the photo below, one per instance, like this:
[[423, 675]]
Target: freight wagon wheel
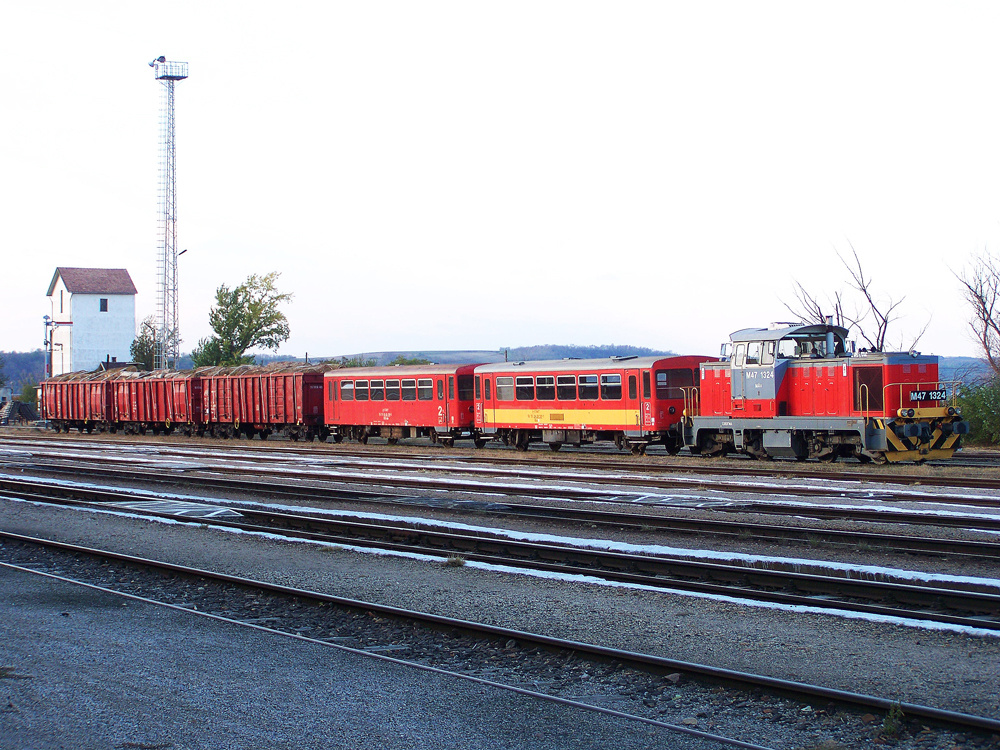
[[338, 438], [392, 441], [363, 438]]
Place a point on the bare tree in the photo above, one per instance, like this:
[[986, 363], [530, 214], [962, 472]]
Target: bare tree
[[872, 315], [982, 291]]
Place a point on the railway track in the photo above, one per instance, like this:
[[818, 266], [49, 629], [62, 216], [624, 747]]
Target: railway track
[[937, 476], [376, 629], [830, 590]]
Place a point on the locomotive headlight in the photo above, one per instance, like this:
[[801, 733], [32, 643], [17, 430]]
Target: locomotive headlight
[[910, 412], [952, 411]]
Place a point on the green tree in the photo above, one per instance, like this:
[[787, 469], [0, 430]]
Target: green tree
[[401, 360], [29, 395], [143, 347], [980, 404], [358, 361], [243, 318], [3, 378]]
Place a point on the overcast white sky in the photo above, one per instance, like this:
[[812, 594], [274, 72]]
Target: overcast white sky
[[446, 175]]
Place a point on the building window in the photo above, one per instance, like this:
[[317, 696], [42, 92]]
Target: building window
[[104, 304], [60, 301]]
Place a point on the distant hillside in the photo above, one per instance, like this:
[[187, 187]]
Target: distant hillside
[[22, 368], [513, 354], [966, 369]]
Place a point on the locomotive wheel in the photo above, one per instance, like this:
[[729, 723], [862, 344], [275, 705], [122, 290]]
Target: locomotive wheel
[[828, 458], [673, 447], [554, 447]]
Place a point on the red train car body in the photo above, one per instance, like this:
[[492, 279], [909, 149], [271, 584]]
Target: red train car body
[[635, 401], [800, 391], [80, 400], [400, 402]]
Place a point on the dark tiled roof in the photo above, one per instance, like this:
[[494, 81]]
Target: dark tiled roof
[[94, 281]]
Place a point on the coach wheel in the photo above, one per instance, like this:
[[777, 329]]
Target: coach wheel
[[448, 442], [479, 442], [639, 449], [619, 442], [520, 440], [554, 447]]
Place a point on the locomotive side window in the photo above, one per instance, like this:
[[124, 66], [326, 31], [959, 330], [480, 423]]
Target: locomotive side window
[[545, 388], [588, 388], [611, 387], [525, 390], [360, 390], [753, 353], [392, 390], [425, 389], [465, 388], [505, 389], [409, 388], [378, 390], [645, 384], [740, 355], [346, 390], [566, 387], [786, 349], [767, 356], [868, 389]]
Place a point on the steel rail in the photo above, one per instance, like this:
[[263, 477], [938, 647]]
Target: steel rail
[[658, 571], [688, 465], [971, 549], [645, 662]]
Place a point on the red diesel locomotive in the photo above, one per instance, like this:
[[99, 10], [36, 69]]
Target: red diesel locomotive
[[800, 391]]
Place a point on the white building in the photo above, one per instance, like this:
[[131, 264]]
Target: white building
[[92, 319]]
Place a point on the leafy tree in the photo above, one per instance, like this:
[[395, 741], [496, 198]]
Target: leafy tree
[[401, 360], [143, 348], [244, 318], [3, 378], [357, 361], [29, 395], [981, 408], [982, 291]]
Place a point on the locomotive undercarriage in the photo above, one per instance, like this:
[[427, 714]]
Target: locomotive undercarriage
[[931, 435]]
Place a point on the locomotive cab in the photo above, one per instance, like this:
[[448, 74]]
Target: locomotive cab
[[802, 391]]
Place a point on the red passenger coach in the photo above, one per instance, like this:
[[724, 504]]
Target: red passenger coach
[[400, 402], [633, 401]]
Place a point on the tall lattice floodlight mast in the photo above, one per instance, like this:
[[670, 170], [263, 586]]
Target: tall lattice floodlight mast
[[167, 328]]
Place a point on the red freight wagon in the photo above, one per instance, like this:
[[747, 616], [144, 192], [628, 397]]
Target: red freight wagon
[[281, 397], [634, 401], [217, 414], [801, 390], [77, 399], [161, 401], [400, 402]]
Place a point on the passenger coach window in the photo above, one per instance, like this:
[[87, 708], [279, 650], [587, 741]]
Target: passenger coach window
[[631, 386], [378, 390], [670, 382], [451, 387], [611, 387], [392, 390], [588, 388], [347, 390], [360, 390], [425, 389], [566, 387], [330, 391], [440, 390], [478, 387], [545, 388], [505, 389], [525, 389], [465, 388], [486, 389], [409, 390], [645, 383]]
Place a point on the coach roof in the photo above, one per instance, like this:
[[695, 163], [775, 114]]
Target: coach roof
[[577, 365]]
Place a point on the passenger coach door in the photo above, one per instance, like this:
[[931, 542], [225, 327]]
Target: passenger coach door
[[636, 412]]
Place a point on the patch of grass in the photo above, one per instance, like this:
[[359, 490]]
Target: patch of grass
[[454, 561], [893, 724]]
